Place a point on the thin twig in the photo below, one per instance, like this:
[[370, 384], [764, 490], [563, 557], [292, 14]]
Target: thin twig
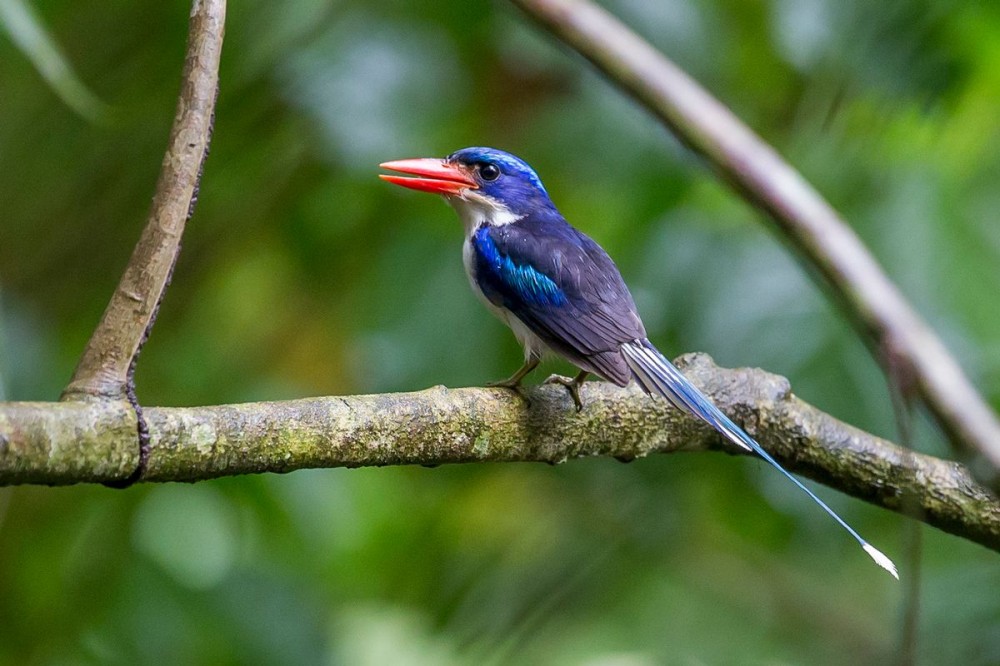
[[103, 370], [761, 176], [62, 443]]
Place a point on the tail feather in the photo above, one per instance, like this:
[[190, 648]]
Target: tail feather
[[658, 376]]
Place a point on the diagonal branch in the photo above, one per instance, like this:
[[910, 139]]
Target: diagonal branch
[[53, 443], [894, 331], [104, 368]]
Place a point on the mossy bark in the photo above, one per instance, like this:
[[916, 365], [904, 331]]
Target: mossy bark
[[96, 442]]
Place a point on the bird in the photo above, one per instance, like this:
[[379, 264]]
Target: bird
[[559, 291]]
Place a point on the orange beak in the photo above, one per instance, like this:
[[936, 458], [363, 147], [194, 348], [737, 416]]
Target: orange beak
[[433, 175]]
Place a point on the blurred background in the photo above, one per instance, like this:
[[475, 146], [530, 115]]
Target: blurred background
[[302, 274]]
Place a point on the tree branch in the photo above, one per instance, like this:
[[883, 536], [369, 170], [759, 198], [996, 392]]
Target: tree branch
[[64, 443], [104, 368], [894, 331]]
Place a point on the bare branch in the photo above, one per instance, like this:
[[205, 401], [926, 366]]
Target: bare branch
[[103, 370], [63, 443], [893, 329]]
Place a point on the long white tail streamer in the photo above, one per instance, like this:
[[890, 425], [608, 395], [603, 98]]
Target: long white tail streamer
[[658, 376]]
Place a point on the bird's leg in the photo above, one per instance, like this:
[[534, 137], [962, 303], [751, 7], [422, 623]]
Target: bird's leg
[[572, 385], [514, 381]]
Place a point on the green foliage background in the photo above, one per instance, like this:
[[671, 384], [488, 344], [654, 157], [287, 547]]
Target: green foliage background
[[302, 274]]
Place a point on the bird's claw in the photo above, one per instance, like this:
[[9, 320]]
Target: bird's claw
[[572, 385], [514, 381], [513, 385]]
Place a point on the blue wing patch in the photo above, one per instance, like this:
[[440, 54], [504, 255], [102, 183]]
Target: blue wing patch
[[531, 285]]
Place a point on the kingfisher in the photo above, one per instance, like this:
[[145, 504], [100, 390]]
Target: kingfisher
[[560, 292]]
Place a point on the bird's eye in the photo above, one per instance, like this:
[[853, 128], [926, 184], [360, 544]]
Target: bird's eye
[[489, 172]]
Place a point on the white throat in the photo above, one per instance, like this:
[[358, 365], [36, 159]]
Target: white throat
[[476, 209]]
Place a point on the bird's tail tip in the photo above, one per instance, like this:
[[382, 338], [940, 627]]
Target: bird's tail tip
[[881, 559], [658, 376]]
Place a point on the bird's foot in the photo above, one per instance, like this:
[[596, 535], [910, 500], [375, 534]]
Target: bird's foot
[[514, 381], [510, 383], [514, 384], [572, 385]]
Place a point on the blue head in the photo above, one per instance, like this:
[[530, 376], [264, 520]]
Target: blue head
[[483, 184], [503, 177]]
